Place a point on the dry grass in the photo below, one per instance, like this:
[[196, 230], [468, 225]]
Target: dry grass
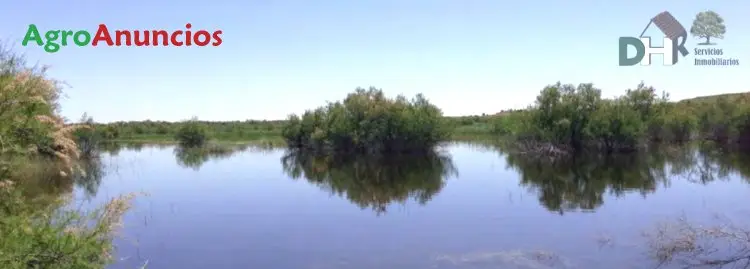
[[35, 141], [690, 245]]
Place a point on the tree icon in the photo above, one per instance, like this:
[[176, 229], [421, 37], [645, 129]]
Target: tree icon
[[708, 24]]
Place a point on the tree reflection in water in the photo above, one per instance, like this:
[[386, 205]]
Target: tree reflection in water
[[374, 182], [567, 184], [196, 157], [90, 176], [579, 183]]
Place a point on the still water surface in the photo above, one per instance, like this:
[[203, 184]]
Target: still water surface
[[469, 206]]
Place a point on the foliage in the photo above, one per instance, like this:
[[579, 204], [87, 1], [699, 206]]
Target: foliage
[[470, 126], [48, 237], [37, 146], [87, 138], [191, 134], [367, 121], [708, 24], [574, 118], [29, 123], [151, 131], [514, 124]]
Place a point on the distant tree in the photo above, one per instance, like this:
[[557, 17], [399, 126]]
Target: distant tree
[[708, 24], [86, 136], [192, 134]]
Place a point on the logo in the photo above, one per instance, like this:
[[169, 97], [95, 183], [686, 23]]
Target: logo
[[53, 40], [707, 25]]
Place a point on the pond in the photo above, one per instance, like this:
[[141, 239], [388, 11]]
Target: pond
[[468, 206]]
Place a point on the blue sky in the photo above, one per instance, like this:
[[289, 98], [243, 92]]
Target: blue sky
[[281, 57]]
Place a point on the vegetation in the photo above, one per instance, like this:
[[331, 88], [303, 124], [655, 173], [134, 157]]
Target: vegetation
[[563, 119], [36, 146], [87, 138], [191, 134], [568, 118], [689, 245], [164, 131], [44, 236], [247, 131], [367, 121]]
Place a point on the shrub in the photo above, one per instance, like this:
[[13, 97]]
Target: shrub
[[49, 236], [42, 233], [367, 121], [87, 137], [192, 134], [573, 117]]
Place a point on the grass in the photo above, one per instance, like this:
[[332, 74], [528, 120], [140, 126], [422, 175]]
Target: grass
[[714, 98], [473, 129], [168, 139]]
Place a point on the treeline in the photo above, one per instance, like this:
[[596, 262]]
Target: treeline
[[367, 121], [245, 130], [164, 130], [564, 118], [567, 118]]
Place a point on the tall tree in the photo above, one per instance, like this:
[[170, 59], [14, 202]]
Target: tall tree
[[708, 24]]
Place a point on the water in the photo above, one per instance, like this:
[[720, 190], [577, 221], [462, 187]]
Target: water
[[469, 206]]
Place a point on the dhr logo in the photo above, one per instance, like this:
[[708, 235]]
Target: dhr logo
[[672, 30]]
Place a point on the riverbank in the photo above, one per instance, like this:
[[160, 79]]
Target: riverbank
[[155, 139], [462, 133], [254, 131]]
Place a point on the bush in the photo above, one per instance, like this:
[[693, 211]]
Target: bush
[[28, 113], [87, 137], [572, 117], [192, 134], [34, 232], [50, 236], [367, 121]]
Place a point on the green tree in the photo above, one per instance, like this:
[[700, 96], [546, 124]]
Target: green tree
[[87, 137], [367, 121], [708, 24], [192, 134]]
